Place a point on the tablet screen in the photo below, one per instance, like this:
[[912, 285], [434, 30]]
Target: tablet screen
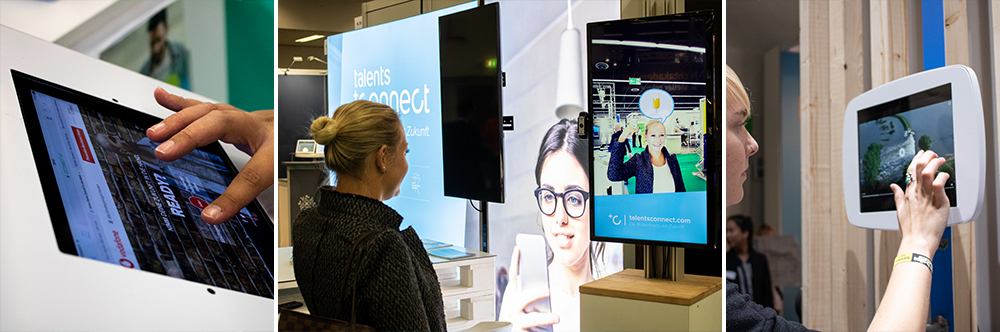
[[113, 201], [890, 134]]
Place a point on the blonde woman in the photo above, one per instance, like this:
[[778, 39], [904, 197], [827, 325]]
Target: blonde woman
[[655, 169], [922, 212], [397, 288]]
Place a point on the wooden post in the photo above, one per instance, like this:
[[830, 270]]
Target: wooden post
[[814, 42], [835, 254], [956, 38], [890, 61]]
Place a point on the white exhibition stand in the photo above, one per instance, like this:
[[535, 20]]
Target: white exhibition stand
[[467, 287], [43, 289]]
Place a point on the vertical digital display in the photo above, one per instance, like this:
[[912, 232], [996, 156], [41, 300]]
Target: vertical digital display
[[648, 92]]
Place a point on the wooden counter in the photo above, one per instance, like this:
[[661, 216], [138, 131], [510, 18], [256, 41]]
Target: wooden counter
[[629, 301]]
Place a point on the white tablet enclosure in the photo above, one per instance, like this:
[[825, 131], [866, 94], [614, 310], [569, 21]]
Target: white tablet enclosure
[[42, 288], [940, 109]]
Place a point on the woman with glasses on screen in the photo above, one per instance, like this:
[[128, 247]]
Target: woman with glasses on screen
[[921, 209], [563, 197], [396, 286], [655, 169]]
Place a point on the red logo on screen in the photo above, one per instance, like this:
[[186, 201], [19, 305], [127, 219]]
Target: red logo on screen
[[81, 142], [126, 263], [197, 201]]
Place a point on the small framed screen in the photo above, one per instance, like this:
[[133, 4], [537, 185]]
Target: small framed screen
[[111, 200], [891, 133]]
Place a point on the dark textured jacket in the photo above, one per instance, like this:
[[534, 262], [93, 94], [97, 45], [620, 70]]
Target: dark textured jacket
[[640, 166], [743, 314], [397, 288], [761, 276]]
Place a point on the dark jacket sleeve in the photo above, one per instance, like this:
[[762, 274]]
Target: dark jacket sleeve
[[618, 170], [762, 281], [742, 314], [675, 170], [393, 293]]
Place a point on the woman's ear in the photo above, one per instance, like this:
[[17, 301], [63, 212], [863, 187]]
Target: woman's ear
[[380, 159]]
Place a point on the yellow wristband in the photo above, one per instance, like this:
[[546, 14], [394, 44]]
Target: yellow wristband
[[914, 257]]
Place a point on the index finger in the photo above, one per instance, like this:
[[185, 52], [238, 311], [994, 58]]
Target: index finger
[[173, 102]]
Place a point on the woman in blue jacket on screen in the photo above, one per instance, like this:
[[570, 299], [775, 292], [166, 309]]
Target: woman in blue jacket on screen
[[655, 169]]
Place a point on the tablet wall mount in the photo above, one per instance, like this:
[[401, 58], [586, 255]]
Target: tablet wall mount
[[940, 110]]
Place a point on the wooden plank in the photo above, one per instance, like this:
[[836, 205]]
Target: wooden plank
[[859, 310], [835, 115], [956, 40], [889, 62], [815, 85], [632, 284]]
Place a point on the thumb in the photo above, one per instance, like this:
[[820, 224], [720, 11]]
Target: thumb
[[898, 195], [249, 182]]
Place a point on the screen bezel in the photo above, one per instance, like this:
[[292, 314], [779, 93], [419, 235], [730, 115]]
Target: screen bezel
[[25, 83], [452, 159], [712, 141], [970, 147]]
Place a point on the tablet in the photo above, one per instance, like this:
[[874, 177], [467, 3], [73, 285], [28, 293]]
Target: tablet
[[113, 202], [885, 127]]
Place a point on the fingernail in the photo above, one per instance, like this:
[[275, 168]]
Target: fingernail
[[165, 147], [157, 127], [212, 212], [160, 88]]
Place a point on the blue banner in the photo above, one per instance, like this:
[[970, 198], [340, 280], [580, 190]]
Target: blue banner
[[672, 217], [397, 64]]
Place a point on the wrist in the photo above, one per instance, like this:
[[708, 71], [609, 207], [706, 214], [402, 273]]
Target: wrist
[[919, 246]]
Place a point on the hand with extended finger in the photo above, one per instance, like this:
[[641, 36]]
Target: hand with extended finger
[[197, 124], [922, 209]]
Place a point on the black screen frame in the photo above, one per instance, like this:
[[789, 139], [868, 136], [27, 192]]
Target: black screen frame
[[459, 180], [927, 97], [712, 134], [25, 83]]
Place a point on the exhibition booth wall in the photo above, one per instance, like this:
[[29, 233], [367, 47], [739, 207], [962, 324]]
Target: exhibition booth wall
[[397, 63]]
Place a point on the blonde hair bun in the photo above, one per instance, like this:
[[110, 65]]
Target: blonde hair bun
[[324, 130], [354, 132]]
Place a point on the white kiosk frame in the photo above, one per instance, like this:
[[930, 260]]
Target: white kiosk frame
[[42, 288], [970, 143]]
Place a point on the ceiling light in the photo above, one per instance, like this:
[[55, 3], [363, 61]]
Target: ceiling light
[[309, 39]]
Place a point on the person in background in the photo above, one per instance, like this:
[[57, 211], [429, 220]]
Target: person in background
[[396, 286], [921, 210], [745, 266], [168, 60]]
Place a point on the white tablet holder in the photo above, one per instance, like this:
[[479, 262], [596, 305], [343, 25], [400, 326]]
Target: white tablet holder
[[883, 128]]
